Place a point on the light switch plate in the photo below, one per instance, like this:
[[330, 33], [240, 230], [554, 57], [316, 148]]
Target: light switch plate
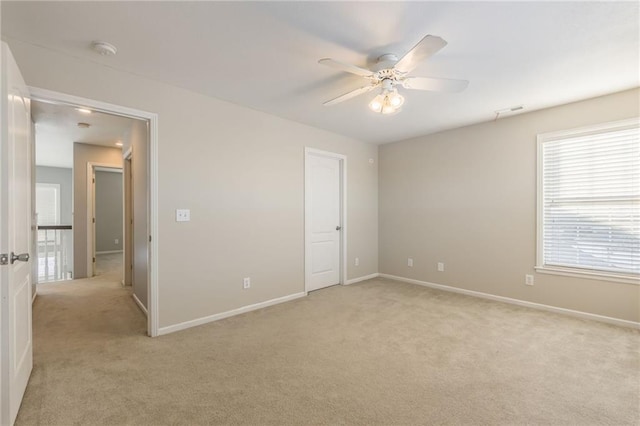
[[183, 215]]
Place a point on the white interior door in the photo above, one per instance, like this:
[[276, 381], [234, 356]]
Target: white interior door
[[15, 238], [322, 221]]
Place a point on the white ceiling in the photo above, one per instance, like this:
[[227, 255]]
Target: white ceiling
[[57, 129], [264, 54]]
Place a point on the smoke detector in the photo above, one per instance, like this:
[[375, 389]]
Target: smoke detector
[[104, 48]]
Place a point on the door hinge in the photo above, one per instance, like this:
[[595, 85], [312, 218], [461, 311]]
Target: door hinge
[[149, 238], [4, 259], [94, 220], [93, 180], [94, 260]]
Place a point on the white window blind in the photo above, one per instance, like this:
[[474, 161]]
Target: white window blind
[[48, 203], [591, 200]]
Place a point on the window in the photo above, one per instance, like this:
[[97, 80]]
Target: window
[[48, 203], [589, 201]]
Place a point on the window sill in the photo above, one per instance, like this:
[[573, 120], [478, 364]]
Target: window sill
[[580, 273]]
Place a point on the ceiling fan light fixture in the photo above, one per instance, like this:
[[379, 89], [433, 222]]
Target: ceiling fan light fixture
[[396, 99], [389, 109], [377, 103], [387, 102]]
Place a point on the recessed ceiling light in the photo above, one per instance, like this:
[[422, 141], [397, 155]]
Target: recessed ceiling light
[[84, 110], [118, 143], [84, 125], [104, 48]]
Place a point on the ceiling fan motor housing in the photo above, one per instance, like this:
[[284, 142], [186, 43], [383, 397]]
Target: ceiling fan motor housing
[[386, 61]]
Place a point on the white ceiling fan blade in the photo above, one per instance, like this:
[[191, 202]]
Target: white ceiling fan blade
[[345, 67], [435, 84], [350, 95], [425, 48]]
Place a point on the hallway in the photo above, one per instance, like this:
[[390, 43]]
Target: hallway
[[109, 266], [80, 328]]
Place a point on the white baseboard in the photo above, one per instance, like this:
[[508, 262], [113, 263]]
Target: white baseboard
[[359, 279], [548, 308], [108, 252], [140, 305], [227, 314]]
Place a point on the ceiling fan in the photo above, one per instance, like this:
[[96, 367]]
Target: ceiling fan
[[390, 72]]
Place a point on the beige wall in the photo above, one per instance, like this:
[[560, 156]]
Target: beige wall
[[241, 172], [82, 155], [467, 197]]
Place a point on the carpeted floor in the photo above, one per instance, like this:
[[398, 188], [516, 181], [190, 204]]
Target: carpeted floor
[[109, 264], [378, 352]]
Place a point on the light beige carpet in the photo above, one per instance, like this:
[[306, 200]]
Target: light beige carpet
[[109, 264], [378, 352]]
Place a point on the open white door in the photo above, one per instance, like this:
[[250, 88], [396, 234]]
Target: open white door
[[15, 238], [323, 219]]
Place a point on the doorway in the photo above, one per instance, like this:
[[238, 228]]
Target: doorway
[[143, 142], [325, 219], [107, 207]]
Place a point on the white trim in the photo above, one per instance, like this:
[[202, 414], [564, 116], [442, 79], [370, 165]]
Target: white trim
[[585, 130], [153, 290], [343, 211], [539, 203], [140, 305], [33, 298], [591, 275], [539, 306], [109, 169], [227, 314], [152, 118], [360, 279], [109, 252], [127, 154]]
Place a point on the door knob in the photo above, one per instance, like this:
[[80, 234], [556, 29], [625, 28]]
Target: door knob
[[24, 257], [338, 228]]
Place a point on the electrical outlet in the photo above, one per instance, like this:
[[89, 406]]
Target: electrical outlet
[[440, 267], [357, 262], [246, 283], [410, 262], [116, 241], [528, 279], [183, 215]]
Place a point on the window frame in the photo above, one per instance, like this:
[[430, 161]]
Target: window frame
[[542, 138]]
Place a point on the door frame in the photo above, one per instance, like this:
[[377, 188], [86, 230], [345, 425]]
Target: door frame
[[92, 167], [152, 182], [127, 225], [343, 212]]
